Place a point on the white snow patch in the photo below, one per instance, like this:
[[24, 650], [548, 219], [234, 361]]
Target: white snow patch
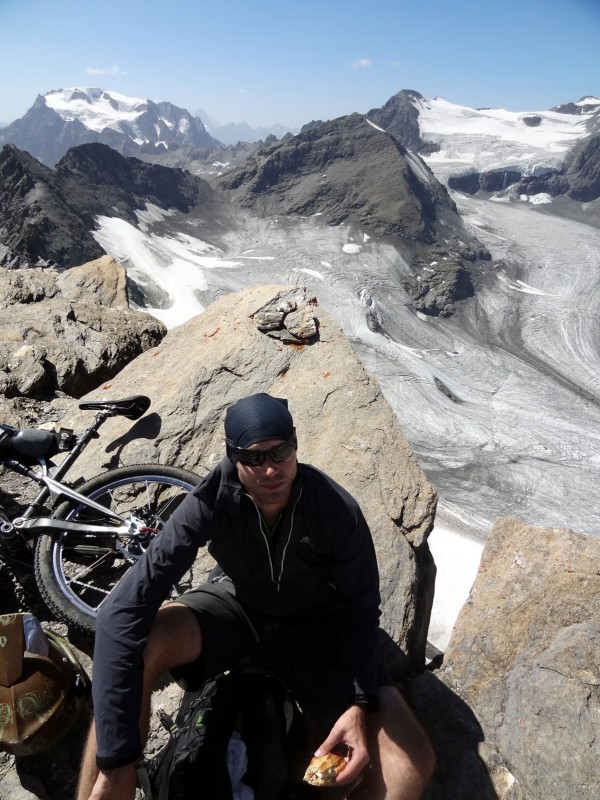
[[457, 558], [95, 108], [372, 124], [540, 199], [312, 272], [152, 213], [493, 137], [173, 264], [521, 286], [351, 248], [418, 167]]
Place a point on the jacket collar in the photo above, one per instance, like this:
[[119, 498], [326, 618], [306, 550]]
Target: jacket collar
[[231, 491]]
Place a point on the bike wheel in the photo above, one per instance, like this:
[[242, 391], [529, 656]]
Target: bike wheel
[[76, 572]]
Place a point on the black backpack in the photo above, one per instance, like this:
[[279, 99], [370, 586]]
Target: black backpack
[[193, 764]]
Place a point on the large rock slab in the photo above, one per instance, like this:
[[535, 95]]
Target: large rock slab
[[515, 710], [345, 427], [68, 331]]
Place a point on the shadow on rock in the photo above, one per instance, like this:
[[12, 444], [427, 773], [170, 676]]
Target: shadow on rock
[[461, 774], [147, 427], [18, 587], [392, 657]]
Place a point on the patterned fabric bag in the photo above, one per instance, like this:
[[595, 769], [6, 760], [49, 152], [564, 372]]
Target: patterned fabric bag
[[43, 687]]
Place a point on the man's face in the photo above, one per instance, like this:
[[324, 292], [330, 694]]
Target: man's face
[[270, 484]]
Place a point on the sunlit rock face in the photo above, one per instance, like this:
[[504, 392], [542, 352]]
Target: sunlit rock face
[[49, 215], [68, 331], [513, 712]]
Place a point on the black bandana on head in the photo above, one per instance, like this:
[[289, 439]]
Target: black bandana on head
[[258, 418]]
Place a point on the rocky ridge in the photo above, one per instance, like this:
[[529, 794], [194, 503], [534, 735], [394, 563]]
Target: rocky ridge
[[48, 216], [399, 116], [344, 168], [68, 332], [162, 133], [348, 171]]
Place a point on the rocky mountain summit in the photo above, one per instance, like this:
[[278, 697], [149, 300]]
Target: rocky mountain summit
[[340, 168], [348, 170], [47, 216], [399, 116], [512, 706]]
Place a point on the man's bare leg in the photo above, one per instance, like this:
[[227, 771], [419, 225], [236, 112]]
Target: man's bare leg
[[402, 758], [175, 639]]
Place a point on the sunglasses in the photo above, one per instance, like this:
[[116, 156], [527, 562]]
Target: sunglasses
[[256, 458]]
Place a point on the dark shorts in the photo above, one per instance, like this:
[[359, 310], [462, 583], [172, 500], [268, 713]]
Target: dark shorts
[[303, 652]]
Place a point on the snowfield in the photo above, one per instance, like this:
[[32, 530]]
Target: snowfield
[[492, 138]]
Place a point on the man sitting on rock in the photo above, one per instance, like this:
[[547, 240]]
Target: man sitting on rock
[[297, 589]]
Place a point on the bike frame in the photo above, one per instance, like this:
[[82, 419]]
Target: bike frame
[[52, 486]]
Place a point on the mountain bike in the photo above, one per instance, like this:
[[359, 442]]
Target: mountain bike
[[92, 533]]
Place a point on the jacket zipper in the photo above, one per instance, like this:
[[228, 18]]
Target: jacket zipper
[[266, 540]]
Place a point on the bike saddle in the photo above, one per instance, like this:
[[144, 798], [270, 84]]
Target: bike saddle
[[130, 407]]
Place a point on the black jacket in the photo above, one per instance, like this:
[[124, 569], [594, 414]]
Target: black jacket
[[323, 558]]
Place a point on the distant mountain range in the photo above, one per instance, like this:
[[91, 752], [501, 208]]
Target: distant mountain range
[[465, 139], [345, 171], [65, 118], [235, 132], [159, 132], [329, 167]]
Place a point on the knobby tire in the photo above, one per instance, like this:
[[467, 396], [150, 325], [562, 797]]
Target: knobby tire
[[76, 572]]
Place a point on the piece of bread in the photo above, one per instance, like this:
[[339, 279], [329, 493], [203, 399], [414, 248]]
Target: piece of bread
[[323, 770]]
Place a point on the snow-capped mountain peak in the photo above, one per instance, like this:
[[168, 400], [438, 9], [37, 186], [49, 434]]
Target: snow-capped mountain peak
[[96, 109], [64, 118], [585, 105]]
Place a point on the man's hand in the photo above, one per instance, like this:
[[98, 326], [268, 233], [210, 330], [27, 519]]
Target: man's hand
[[115, 784], [349, 731]]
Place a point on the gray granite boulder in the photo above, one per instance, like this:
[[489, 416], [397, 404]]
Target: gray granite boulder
[[68, 331], [515, 710]]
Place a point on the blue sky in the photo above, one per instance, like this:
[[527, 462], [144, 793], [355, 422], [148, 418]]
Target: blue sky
[[264, 62]]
